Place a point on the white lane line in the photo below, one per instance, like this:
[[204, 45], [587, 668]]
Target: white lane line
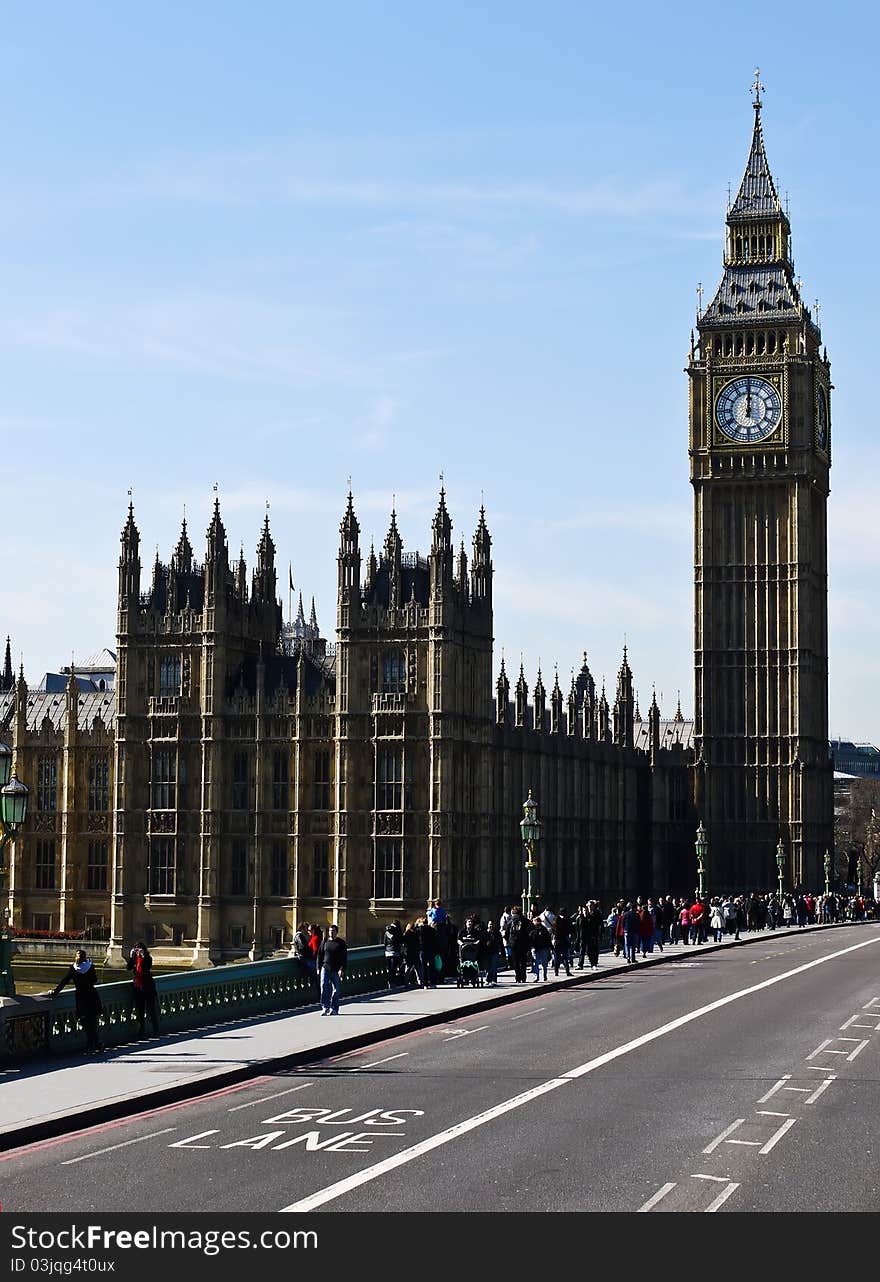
[[718, 1179], [820, 1048], [721, 1198], [875, 1001], [264, 1099], [773, 1089], [465, 1032], [719, 1139], [527, 1013], [851, 1023], [125, 1143], [774, 1139], [858, 1050], [658, 1196], [811, 1099], [370, 1173], [376, 1062]]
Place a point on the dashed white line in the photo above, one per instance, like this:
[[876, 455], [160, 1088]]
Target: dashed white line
[[811, 1099], [820, 1048], [465, 1032], [376, 1062], [718, 1179], [264, 1099], [83, 1157], [721, 1198], [773, 1089], [774, 1139], [657, 1197], [527, 1013], [719, 1139], [858, 1050]]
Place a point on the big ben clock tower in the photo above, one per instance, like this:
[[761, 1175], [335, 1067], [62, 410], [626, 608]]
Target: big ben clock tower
[[760, 453]]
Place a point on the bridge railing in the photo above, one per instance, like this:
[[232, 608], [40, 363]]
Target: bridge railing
[[43, 1025]]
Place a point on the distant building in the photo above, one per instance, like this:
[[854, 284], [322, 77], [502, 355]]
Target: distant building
[[861, 759]]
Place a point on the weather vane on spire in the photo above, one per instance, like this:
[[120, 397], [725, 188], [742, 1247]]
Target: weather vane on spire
[[757, 89]]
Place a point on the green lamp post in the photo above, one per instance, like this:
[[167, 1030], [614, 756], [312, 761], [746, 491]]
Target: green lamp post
[[13, 812], [530, 829], [701, 846], [780, 865], [826, 864]]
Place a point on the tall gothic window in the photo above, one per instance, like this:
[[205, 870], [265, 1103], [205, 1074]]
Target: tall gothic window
[[169, 675], [97, 866], [321, 798], [238, 869], [279, 869], [280, 781], [321, 870], [162, 866], [389, 784], [388, 878], [45, 866], [47, 784], [394, 671], [164, 780], [99, 785], [239, 781]]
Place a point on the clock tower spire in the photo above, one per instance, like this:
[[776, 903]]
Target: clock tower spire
[[759, 465]]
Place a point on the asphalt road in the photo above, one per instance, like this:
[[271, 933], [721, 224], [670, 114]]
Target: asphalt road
[[622, 1095]]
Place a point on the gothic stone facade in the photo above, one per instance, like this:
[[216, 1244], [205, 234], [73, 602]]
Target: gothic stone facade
[[256, 776]]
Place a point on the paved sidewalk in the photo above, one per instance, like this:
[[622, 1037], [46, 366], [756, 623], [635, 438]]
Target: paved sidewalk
[[52, 1097]]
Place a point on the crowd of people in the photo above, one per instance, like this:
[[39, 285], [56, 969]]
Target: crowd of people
[[428, 949]]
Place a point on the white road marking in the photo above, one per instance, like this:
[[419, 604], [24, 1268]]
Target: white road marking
[[376, 1062], [719, 1179], [811, 1099], [125, 1143], [658, 1196], [851, 1022], [721, 1198], [820, 1048], [370, 1173], [719, 1139], [858, 1050], [527, 1013], [775, 1138], [875, 1001], [465, 1032], [773, 1089], [188, 1143], [264, 1099]]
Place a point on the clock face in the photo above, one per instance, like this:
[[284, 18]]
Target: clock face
[[748, 410], [822, 420]]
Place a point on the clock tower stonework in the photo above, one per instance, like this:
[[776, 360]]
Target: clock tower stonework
[[760, 453]]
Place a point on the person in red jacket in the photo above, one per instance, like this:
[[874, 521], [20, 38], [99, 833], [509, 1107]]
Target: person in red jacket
[[646, 930], [698, 915]]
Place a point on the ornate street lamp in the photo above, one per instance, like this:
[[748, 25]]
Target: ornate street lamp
[[826, 863], [780, 864], [701, 846], [13, 812], [530, 829]]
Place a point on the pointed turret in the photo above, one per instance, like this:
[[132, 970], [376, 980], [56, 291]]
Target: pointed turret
[[679, 716], [521, 698], [757, 196], [313, 630], [637, 716], [462, 572], [586, 693], [654, 726], [604, 717], [216, 559], [265, 580], [624, 705], [555, 705], [393, 557], [502, 696], [539, 699], [129, 564], [182, 556], [349, 557], [371, 568], [241, 577], [571, 708], [71, 700], [7, 681], [481, 563], [441, 549]]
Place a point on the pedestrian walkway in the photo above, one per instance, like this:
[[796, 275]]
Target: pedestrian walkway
[[50, 1097]]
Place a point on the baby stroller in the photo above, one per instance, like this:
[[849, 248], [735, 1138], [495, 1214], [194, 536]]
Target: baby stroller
[[468, 963]]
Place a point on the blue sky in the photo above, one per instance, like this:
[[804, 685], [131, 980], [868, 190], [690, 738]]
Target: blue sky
[[275, 245]]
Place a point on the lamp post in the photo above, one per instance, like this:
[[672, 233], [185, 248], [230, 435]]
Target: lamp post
[[826, 863], [701, 846], [13, 812], [530, 829], [780, 864]]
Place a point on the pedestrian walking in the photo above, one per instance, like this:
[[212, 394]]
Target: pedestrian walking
[[146, 1000], [332, 959], [88, 1004], [539, 941], [628, 924], [518, 936], [393, 942]]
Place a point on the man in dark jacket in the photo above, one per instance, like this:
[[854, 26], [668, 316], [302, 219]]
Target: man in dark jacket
[[144, 988], [561, 942], [393, 944], [88, 1004], [592, 925], [631, 925], [518, 938], [332, 959]]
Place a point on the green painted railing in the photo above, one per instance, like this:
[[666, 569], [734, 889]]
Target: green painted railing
[[187, 999]]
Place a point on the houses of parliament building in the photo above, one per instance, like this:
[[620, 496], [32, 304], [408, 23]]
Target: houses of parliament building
[[223, 774]]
